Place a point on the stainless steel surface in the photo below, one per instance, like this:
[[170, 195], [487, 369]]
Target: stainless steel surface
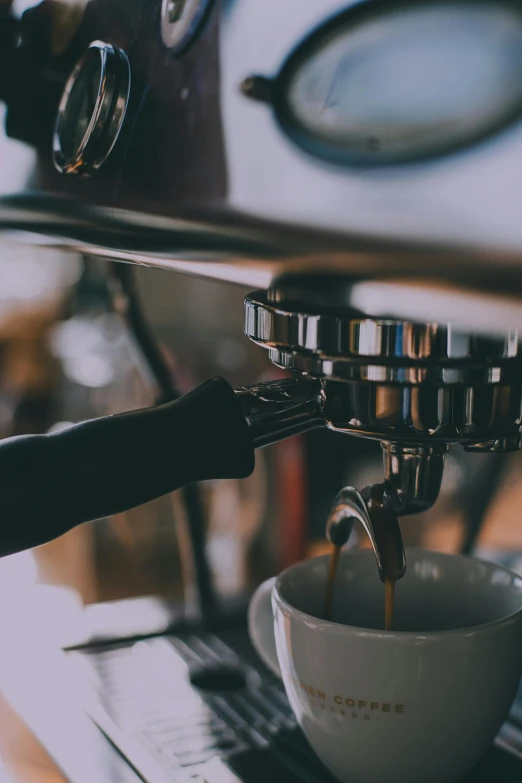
[[415, 386], [336, 343], [500, 446], [477, 290], [405, 281], [416, 383], [344, 368], [424, 414], [372, 508], [408, 201], [92, 110], [382, 84], [413, 475], [280, 409]]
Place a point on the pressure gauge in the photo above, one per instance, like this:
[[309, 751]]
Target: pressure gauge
[[389, 82], [92, 110]]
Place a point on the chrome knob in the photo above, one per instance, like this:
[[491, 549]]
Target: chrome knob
[[92, 110], [181, 22]]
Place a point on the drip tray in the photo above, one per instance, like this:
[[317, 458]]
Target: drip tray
[[201, 707]]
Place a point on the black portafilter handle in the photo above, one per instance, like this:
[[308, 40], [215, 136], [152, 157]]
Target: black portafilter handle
[[51, 483]]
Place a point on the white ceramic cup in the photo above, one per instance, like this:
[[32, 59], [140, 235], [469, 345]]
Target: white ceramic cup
[[422, 703]]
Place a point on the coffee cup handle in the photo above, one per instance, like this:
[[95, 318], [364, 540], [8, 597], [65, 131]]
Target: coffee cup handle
[[261, 626]]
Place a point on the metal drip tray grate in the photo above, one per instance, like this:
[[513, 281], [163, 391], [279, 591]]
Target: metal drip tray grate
[[201, 706]]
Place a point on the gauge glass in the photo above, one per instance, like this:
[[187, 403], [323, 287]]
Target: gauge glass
[[407, 83], [81, 105]]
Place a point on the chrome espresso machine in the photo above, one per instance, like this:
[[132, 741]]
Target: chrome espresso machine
[[355, 165]]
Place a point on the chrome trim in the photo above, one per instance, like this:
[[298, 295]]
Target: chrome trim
[[413, 475], [279, 409], [426, 414], [374, 510], [347, 368], [342, 345], [396, 381], [385, 280], [181, 21]]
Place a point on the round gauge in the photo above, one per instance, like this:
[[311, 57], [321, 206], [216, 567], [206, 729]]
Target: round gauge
[[392, 82], [81, 107], [92, 110]]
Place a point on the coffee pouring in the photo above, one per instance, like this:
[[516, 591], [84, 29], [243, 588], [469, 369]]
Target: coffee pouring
[[422, 702], [380, 523]]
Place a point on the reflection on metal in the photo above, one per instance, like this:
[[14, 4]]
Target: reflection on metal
[[374, 511], [280, 409], [404, 278], [337, 344], [413, 475], [389, 83], [500, 446], [181, 21], [92, 110], [403, 382], [424, 414]]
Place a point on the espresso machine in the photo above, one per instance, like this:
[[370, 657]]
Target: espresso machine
[[355, 165]]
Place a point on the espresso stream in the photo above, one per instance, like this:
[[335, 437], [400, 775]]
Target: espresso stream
[[330, 584], [389, 588], [389, 603]]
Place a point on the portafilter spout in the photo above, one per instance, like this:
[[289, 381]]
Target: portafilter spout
[[413, 475], [412, 480], [374, 510]]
